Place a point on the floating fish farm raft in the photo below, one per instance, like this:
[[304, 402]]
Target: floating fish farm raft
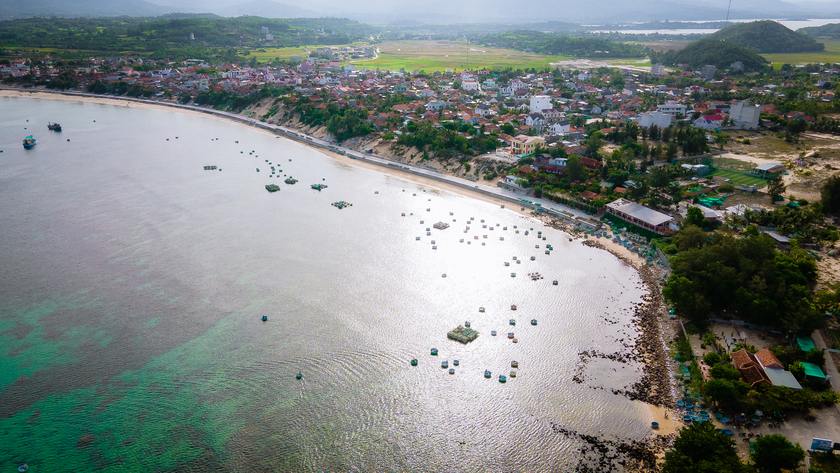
[[341, 204], [209, 168], [462, 334], [272, 187], [318, 187], [441, 226]]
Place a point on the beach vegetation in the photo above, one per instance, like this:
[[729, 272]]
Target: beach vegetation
[[747, 278]]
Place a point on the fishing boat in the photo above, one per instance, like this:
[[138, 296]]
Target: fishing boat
[[493, 333], [502, 378], [28, 142], [444, 364], [510, 335], [514, 364], [299, 375], [264, 318], [513, 307], [467, 324], [434, 351], [455, 362], [290, 180], [451, 370], [512, 321], [512, 373], [53, 127], [555, 282], [533, 321], [414, 362], [487, 373], [23, 467], [481, 309]]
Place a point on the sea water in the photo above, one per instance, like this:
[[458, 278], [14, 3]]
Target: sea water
[[133, 283]]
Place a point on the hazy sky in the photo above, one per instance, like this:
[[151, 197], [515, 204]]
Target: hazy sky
[[536, 10]]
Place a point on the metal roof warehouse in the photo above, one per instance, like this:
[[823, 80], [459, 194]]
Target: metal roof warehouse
[[640, 215]]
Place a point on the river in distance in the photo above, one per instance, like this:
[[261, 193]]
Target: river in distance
[[133, 283]]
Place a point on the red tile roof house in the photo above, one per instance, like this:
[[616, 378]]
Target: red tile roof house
[[591, 163], [749, 367]]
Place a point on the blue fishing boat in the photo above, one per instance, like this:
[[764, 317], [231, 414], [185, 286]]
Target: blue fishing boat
[[444, 364], [414, 362], [502, 378], [434, 351], [28, 142], [264, 318], [487, 373], [299, 375]]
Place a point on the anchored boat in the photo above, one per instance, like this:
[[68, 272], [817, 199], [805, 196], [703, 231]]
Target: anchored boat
[[28, 142], [53, 126]]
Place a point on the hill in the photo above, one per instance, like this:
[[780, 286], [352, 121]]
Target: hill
[[829, 31], [159, 35], [74, 8], [767, 37], [720, 54]]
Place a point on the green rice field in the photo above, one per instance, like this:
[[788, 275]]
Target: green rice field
[[738, 178], [441, 55], [831, 54]]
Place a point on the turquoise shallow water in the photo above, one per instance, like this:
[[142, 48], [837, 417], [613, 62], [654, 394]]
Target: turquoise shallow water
[[132, 283]]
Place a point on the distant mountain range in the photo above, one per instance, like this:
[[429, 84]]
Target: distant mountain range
[[10, 9], [434, 11]]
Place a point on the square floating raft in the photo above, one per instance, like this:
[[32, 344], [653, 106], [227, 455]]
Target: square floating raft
[[462, 334]]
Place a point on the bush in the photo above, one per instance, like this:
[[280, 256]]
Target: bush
[[726, 188], [815, 356], [746, 141]]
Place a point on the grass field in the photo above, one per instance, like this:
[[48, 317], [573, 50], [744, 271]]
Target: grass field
[[831, 54], [738, 178], [441, 55], [268, 54]]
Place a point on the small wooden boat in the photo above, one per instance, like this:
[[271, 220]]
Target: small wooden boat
[[512, 373], [510, 335], [456, 362], [533, 321], [514, 364], [434, 351], [53, 126], [444, 364], [451, 370], [487, 373], [493, 333], [512, 322], [414, 362], [502, 378], [513, 307], [264, 318], [299, 375], [555, 282]]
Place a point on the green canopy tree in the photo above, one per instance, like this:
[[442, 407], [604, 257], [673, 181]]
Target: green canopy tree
[[830, 194], [774, 453], [700, 449], [575, 169], [695, 217], [775, 187]]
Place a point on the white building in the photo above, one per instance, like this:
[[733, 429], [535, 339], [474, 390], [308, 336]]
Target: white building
[[657, 69], [745, 115], [658, 118], [469, 85], [671, 108], [561, 127], [708, 72], [540, 103]]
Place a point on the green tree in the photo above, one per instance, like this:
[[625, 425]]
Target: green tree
[[774, 453], [594, 143], [711, 358], [830, 194], [694, 216], [691, 236], [725, 371], [775, 187], [575, 169], [721, 391], [700, 449]]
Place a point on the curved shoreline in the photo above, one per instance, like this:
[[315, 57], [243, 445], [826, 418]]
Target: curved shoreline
[[650, 320]]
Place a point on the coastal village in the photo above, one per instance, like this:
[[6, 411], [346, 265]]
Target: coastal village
[[656, 165]]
